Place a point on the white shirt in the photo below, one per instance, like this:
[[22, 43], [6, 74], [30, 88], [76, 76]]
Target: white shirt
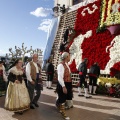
[[28, 71], [60, 71]]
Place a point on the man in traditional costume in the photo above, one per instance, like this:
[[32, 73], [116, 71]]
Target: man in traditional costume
[[83, 79], [64, 86], [50, 74], [34, 82], [94, 73]]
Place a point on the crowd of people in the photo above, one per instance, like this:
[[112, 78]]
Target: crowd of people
[[21, 96], [93, 74]]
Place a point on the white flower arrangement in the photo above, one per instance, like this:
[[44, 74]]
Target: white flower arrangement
[[89, 11], [114, 54], [75, 49]]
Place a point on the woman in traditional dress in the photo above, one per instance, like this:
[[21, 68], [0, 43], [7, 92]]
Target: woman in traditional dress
[[17, 97], [3, 79]]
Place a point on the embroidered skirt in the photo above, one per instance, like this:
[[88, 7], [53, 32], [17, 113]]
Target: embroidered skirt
[[17, 97]]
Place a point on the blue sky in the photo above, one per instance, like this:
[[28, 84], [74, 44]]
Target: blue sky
[[24, 21]]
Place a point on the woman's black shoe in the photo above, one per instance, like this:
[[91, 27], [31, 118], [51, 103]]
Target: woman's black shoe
[[80, 95], [21, 112], [31, 107], [50, 88]]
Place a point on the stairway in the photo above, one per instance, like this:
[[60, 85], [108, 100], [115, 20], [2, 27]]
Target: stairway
[[67, 19]]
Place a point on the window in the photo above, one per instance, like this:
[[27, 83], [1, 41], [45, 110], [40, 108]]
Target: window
[[76, 1]]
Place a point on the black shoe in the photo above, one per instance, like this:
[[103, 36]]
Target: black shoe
[[21, 112], [71, 106], [88, 96], [36, 105], [31, 107], [50, 88], [80, 95]]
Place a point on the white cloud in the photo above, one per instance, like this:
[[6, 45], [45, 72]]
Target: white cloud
[[45, 25], [2, 53], [41, 12]]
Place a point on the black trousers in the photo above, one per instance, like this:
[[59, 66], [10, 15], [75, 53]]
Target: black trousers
[[50, 77], [82, 81], [65, 38], [93, 80], [31, 89], [62, 97]]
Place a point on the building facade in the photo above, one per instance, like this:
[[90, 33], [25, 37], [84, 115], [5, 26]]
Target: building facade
[[67, 3]]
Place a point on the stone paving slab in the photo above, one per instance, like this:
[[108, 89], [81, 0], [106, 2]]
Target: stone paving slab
[[97, 108]]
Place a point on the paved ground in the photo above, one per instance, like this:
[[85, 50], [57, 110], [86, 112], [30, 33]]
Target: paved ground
[[96, 108]]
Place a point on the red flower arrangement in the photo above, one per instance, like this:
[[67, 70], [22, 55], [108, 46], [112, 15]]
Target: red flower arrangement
[[115, 69], [94, 47], [73, 67]]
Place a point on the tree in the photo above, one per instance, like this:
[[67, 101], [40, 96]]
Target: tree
[[24, 51], [36, 51], [19, 52]]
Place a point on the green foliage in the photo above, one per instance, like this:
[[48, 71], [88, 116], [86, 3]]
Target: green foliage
[[101, 29], [101, 89]]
